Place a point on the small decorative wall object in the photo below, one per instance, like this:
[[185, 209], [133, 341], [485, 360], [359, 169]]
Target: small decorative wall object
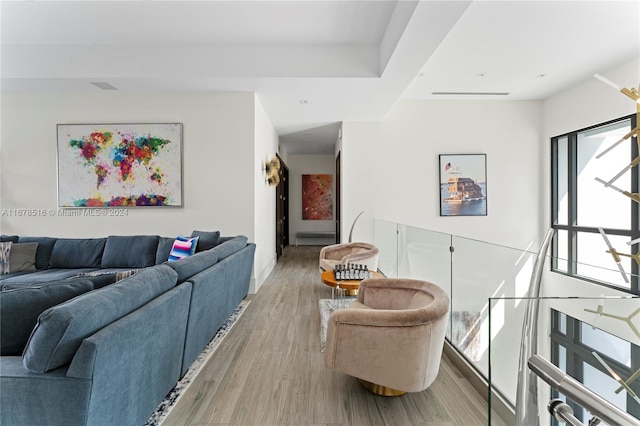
[[317, 197], [106, 165], [463, 185], [272, 171]]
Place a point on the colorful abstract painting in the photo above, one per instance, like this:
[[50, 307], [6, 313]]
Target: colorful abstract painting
[[317, 197], [107, 165]]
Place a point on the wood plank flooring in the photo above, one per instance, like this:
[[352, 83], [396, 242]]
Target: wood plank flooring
[[269, 370]]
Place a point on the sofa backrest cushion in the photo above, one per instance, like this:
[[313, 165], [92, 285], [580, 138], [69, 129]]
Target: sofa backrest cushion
[[77, 253], [164, 248], [206, 239], [61, 329], [21, 306], [230, 246], [98, 280], [130, 251], [9, 238], [191, 265], [43, 253]]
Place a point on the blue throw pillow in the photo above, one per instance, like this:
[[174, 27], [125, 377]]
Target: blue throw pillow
[[183, 247]]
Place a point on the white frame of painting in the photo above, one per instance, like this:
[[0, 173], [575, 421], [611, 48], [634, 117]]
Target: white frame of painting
[[77, 186]]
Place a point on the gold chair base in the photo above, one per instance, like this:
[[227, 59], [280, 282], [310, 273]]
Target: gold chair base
[[379, 389]]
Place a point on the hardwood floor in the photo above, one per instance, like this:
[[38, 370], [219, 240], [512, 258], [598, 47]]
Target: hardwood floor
[[269, 370]]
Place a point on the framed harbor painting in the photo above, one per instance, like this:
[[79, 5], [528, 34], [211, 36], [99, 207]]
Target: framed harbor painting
[[463, 185], [119, 165]]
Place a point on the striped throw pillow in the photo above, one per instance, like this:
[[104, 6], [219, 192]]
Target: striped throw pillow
[[183, 247]]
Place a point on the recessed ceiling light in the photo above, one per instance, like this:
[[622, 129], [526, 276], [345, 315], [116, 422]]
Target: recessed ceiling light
[[541, 75], [303, 101], [481, 74], [103, 85]]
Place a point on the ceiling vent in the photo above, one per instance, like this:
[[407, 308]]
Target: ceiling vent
[[472, 93]]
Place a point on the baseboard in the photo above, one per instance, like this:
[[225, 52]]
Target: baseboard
[[499, 405], [257, 280]]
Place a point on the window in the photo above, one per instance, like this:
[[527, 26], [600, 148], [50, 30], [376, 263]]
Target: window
[[572, 346], [582, 204]]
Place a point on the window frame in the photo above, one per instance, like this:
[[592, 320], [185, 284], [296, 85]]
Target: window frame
[[571, 227], [579, 353]]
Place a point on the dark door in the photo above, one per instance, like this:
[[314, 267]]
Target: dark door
[[338, 185], [282, 210]]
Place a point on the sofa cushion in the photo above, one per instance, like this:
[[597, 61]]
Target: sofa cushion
[[23, 257], [130, 251], [77, 253], [231, 246], [45, 247], [103, 277], [37, 277], [206, 239], [189, 266], [6, 238], [61, 329], [183, 247], [5, 257], [21, 307], [164, 248]]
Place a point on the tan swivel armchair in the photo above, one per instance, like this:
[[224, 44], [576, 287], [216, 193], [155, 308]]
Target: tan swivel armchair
[[391, 337], [358, 253]]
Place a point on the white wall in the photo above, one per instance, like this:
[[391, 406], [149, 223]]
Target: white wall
[[220, 172], [307, 164], [391, 168], [588, 103], [266, 145]]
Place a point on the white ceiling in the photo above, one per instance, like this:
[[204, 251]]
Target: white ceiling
[[316, 63]]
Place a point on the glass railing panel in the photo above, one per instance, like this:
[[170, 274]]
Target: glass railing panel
[[488, 285], [595, 340], [425, 255], [481, 271], [385, 237]]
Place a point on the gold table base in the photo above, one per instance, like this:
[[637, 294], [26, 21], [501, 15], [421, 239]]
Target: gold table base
[[379, 389]]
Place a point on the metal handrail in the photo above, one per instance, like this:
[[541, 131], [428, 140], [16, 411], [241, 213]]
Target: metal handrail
[[562, 412], [573, 389], [527, 389]]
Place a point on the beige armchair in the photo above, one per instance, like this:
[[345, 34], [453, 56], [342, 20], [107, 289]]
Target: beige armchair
[[339, 254], [391, 337]]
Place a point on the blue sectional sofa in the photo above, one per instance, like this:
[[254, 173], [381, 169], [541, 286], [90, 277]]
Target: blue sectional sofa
[[100, 352]]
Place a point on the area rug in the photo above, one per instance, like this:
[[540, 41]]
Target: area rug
[[181, 387], [326, 307]]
